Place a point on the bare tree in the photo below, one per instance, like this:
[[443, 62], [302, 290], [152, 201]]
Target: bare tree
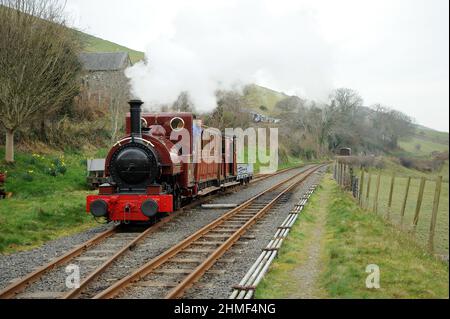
[[390, 125], [38, 63], [346, 100], [183, 103], [118, 97]]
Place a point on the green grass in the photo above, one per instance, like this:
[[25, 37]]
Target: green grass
[[352, 240], [43, 206], [391, 166], [94, 44], [442, 226], [282, 281], [437, 136], [426, 146], [282, 163], [429, 141], [256, 95], [357, 238]]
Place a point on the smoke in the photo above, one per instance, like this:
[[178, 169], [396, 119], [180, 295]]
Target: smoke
[[230, 44]]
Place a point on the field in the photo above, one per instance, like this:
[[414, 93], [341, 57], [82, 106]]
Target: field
[[426, 146], [353, 238], [442, 226], [48, 199], [425, 141]]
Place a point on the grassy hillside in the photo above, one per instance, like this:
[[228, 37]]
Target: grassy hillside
[[425, 141], [94, 44], [256, 96]]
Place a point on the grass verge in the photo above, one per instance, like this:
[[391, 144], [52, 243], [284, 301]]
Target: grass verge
[[353, 240], [357, 238], [285, 279], [48, 200]]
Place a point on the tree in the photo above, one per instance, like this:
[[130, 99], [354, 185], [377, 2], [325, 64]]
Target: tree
[[183, 103], [346, 100], [390, 125], [39, 64], [118, 98], [230, 111], [290, 104], [347, 118]]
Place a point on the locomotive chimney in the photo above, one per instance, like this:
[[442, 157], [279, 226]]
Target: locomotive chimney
[[135, 117]]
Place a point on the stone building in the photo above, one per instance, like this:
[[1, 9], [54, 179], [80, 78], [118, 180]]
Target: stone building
[[104, 87]]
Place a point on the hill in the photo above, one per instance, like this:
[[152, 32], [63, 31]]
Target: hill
[[421, 144], [256, 96], [94, 44], [425, 141]]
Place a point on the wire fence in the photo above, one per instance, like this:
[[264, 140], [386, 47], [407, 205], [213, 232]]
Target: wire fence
[[418, 206]]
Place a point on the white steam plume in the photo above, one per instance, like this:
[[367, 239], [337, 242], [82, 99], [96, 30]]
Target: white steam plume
[[231, 44]]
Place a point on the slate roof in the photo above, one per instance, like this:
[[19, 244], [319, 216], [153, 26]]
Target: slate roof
[[108, 61]]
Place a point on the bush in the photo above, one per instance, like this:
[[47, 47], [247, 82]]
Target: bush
[[422, 165], [62, 169], [406, 162], [51, 171]]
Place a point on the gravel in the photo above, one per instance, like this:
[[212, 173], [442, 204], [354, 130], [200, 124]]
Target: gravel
[[246, 251], [20, 264], [17, 265]]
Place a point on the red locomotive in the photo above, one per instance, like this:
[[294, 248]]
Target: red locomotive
[[149, 173]]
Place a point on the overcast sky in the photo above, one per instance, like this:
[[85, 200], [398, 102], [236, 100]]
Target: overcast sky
[[394, 52]]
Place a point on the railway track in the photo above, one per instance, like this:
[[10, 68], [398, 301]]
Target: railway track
[[97, 253], [100, 252], [261, 177], [173, 272]]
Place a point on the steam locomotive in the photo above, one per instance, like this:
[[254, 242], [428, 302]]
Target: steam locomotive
[[150, 173]]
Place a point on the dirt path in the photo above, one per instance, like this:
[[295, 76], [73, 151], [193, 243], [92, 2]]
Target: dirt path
[[306, 273], [296, 271]]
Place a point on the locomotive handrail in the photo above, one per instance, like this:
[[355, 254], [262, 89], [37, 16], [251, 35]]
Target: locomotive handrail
[[133, 138]]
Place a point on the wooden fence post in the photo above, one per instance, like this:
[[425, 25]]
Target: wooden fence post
[[338, 173], [419, 203], [437, 195], [391, 193], [334, 169], [377, 190], [361, 187], [368, 190], [405, 199]]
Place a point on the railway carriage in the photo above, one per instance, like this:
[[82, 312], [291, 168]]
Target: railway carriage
[[157, 166]]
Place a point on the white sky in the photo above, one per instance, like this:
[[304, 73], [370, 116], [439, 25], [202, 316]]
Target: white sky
[[394, 52]]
